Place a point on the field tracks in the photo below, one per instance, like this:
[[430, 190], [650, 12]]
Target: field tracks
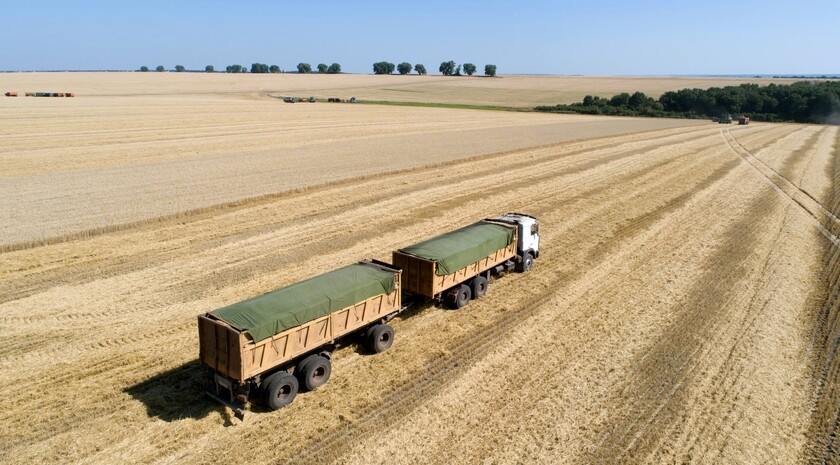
[[823, 218]]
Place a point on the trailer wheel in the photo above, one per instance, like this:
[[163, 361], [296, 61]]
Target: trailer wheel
[[526, 263], [458, 296], [379, 338], [280, 390], [313, 371], [478, 286]]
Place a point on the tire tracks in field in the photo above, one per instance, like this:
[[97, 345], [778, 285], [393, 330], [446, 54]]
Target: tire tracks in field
[[101, 268], [271, 197], [666, 369], [470, 348], [823, 434]]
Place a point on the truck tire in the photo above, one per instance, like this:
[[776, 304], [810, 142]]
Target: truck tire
[[280, 390], [459, 296], [526, 263], [313, 371], [379, 338], [479, 286]]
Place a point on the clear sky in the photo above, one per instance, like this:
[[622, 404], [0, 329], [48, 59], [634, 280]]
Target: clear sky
[[586, 37]]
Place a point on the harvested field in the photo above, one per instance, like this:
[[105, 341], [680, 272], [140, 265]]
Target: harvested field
[[684, 309], [118, 160], [512, 91]]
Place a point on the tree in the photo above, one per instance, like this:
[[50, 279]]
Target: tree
[[620, 100], [209, 69], [274, 69], [304, 68], [259, 68], [179, 69], [458, 70], [404, 67], [588, 101], [322, 68], [234, 69], [490, 70], [160, 69], [144, 69], [420, 69], [447, 68], [334, 68], [469, 68], [383, 67]]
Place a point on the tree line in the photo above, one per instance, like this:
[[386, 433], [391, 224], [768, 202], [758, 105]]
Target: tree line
[[803, 102], [447, 68], [257, 68]]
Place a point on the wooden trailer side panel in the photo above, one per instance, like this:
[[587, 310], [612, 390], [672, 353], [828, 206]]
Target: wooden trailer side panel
[[442, 283], [419, 273], [276, 350]]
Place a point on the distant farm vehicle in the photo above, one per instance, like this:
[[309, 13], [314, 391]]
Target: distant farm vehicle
[[743, 120], [289, 99], [334, 100], [11, 94], [352, 99]]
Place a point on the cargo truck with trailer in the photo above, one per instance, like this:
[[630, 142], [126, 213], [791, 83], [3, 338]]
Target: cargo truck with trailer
[[276, 344]]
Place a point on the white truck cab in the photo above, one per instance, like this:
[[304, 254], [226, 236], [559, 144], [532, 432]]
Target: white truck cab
[[528, 246]]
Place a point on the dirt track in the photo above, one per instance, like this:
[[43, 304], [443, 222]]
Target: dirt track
[[683, 311]]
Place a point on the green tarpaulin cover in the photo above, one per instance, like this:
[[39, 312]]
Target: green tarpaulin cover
[[277, 311], [457, 249]]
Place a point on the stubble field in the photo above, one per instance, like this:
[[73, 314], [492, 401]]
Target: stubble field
[[683, 309]]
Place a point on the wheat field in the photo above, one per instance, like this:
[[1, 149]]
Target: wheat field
[[683, 309]]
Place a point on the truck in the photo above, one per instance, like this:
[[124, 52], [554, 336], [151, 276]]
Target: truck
[[456, 267], [274, 345], [743, 120]]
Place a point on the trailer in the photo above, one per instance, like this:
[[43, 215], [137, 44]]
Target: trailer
[[276, 344], [281, 342], [743, 120], [457, 266]]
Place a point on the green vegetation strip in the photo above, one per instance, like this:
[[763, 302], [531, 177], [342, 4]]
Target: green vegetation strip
[[802, 102], [462, 106]]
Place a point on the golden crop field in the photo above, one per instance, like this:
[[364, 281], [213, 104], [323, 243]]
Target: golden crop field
[[683, 308], [513, 91]]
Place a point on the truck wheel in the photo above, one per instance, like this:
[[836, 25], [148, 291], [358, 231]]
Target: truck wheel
[[313, 371], [280, 390], [478, 287], [379, 338], [459, 296], [526, 263]]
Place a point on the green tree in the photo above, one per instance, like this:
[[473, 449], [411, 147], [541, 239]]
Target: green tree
[[274, 69], [322, 68], [447, 68], [420, 69], [259, 68], [160, 69], [334, 68], [404, 67], [209, 69], [620, 100], [469, 68], [490, 70], [179, 69], [144, 69], [383, 67], [304, 68]]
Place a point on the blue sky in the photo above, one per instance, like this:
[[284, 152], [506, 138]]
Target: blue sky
[[588, 37]]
